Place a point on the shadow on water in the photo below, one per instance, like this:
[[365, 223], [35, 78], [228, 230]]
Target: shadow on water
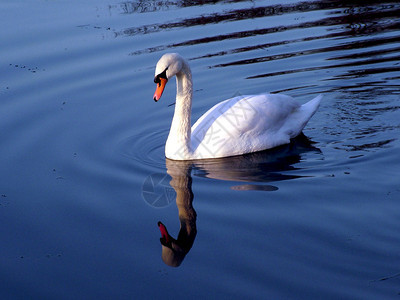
[[145, 6], [265, 166], [352, 18], [357, 40]]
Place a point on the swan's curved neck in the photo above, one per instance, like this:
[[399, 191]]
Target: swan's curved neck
[[179, 138]]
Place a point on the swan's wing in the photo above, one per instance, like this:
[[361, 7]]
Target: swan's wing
[[243, 113], [240, 124], [226, 119]]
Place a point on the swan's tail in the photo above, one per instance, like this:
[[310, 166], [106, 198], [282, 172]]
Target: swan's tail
[[311, 106], [306, 111]]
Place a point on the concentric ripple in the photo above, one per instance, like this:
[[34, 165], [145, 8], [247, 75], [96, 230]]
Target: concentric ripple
[[145, 148]]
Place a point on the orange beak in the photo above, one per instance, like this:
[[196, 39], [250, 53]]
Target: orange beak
[[160, 89]]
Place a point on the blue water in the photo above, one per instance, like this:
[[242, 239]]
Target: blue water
[[84, 180]]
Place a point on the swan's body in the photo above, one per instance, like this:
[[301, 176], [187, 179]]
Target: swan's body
[[240, 125]]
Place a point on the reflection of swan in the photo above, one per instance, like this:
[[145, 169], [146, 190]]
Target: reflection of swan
[[175, 250], [243, 124], [265, 166]]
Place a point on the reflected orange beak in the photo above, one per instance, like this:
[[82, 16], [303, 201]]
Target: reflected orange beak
[[160, 89], [165, 237]]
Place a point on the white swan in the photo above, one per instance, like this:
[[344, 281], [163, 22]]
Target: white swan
[[240, 125]]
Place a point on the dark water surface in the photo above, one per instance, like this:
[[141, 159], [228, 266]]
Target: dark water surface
[[84, 180]]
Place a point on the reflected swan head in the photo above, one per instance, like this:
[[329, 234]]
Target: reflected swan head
[[172, 254]]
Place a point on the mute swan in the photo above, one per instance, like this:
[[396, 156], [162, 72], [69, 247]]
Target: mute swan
[[240, 125]]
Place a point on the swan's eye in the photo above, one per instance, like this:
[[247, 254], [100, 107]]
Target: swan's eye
[[157, 79]]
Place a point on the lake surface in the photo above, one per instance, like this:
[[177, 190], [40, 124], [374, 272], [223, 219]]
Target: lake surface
[[84, 181]]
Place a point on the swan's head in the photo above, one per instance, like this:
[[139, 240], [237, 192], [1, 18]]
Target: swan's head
[[168, 66]]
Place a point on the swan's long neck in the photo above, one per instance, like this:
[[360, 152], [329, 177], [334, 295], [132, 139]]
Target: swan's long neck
[[178, 143]]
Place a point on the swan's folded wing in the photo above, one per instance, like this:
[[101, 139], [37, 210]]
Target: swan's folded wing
[[224, 122], [247, 124]]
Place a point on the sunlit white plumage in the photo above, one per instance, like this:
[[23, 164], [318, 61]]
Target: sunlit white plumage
[[240, 125]]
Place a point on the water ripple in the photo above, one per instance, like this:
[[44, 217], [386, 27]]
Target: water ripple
[[80, 135], [145, 148]]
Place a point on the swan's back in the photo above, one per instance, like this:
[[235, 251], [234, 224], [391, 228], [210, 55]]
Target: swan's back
[[246, 124]]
